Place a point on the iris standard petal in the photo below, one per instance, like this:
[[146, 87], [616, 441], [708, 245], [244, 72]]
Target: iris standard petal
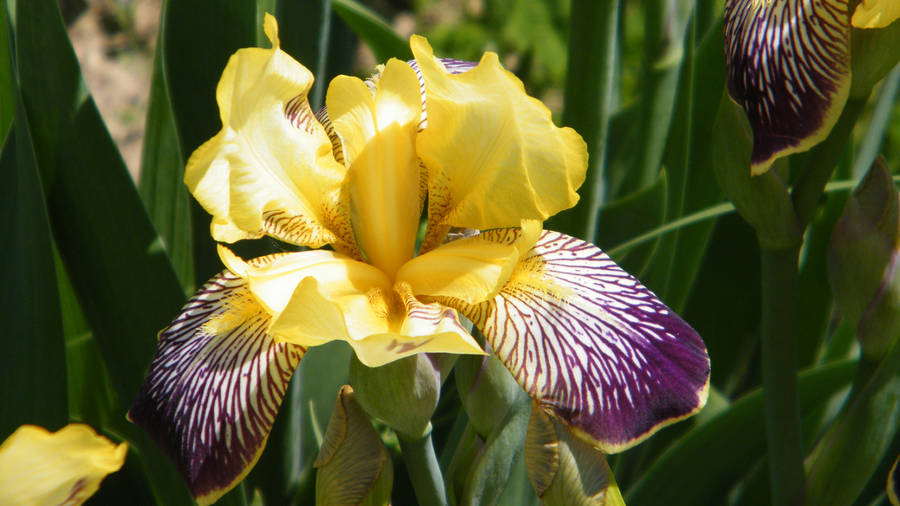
[[215, 386], [378, 136], [64, 467], [589, 342], [270, 170], [789, 68], [492, 152], [875, 13]]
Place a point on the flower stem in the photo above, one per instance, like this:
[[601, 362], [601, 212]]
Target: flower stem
[[779, 371], [424, 471]]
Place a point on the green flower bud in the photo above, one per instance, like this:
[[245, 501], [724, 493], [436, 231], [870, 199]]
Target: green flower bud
[[487, 390], [565, 469], [354, 467], [869, 62], [402, 394], [762, 200], [863, 258]]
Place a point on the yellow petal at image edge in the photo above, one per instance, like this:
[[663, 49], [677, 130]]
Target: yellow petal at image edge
[[876, 13], [494, 156], [271, 156], [39, 467]]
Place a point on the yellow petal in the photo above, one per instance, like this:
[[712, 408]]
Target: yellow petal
[[270, 170], [472, 270], [876, 13], [378, 137], [493, 155], [65, 467], [426, 328], [274, 281], [371, 323]]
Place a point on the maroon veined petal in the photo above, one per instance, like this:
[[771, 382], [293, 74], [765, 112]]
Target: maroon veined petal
[[215, 386], [591, 344], [789, 68]]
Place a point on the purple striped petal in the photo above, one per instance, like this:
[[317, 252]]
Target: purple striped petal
[[215, 386], [590, 343], [789, 68]]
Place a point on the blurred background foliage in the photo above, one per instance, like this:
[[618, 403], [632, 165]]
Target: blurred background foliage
[[96, 261]]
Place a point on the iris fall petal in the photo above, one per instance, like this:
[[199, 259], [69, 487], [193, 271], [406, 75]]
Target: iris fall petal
[[589, 343], [789, 68], [215, 386]]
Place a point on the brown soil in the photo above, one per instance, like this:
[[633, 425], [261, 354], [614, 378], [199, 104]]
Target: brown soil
[[114, 41]]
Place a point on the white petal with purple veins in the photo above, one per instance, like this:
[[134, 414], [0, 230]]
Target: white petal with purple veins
[[588, 341], [215, 386]]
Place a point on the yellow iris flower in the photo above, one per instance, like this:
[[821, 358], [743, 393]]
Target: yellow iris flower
[[272, 170], [459, 142], [64, 467]]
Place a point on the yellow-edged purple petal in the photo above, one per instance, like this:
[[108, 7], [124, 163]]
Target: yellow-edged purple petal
[[378, 135], [493, 155], [215, 386], [875, 13], [789, 68], [270, 170], [590, 343], [64, 467]]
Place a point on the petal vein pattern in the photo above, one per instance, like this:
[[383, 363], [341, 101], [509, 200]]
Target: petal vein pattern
[[215, 386], [789, 68], [590, 343]]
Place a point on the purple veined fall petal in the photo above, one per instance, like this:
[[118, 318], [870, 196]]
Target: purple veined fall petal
[[215, 386], [789, 68], [591, 344]]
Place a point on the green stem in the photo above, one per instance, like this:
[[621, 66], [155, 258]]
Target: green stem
[[779, 370], [424, 471]]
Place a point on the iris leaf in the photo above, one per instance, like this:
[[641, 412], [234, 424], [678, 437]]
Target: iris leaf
[[33, 354], [7, 90], [689, 163], [590, 81], [194, 52], [162, 172], [376, 33], [843, 462], [118, 270], [704, 464]]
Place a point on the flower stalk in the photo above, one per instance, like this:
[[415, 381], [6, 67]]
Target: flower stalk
[[424, 470], [779, 371]]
